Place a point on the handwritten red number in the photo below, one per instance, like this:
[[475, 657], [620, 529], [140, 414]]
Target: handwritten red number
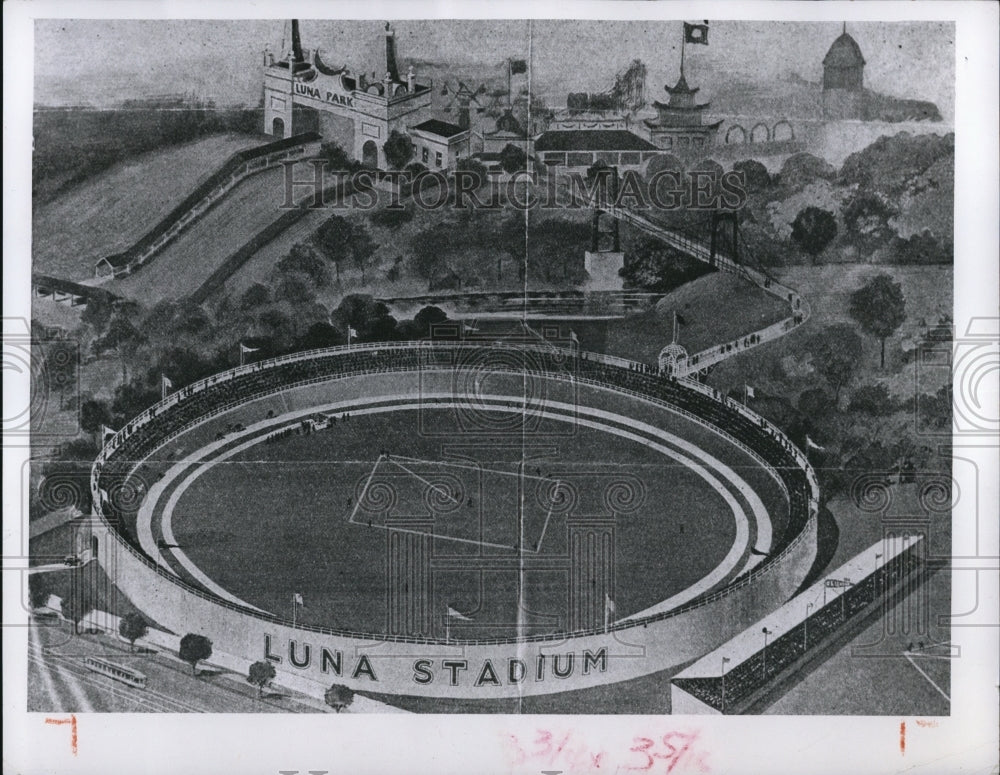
[[72, 729], [544, 739], [643, 744]]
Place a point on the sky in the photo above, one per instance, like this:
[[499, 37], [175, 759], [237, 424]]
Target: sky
[[101, 62]]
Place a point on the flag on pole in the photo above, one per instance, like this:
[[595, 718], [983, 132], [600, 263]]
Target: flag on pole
[[470, 327], [696, 33], [680, 318], [810, 444], [750, 393], [609, 604], [726, 659], [244, 350], [166, 385], [456, 615], [105, 432], [351, 333], [573, 337], [297, 599], [518, 66]]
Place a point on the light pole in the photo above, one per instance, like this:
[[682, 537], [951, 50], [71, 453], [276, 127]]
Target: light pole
[[724, 661], [805, 629], [843, 610], [763, 664]]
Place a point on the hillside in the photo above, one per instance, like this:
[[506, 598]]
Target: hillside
[[716, 308], [110, 211], [180, 268]]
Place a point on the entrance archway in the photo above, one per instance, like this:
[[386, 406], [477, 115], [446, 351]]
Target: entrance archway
[[278, 127], [369, 154]]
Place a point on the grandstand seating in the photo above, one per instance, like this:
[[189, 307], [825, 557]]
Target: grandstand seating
[[218, 394], [754, 674]]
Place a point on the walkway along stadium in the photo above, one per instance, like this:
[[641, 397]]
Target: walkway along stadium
[[583, 387]]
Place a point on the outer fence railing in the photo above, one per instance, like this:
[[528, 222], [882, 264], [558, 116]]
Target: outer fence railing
[[227, 376]]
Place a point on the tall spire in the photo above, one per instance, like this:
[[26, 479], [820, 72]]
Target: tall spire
[[390, 53], [296, 42]]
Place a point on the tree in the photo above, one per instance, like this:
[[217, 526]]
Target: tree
[[803, 169], [836, 350], [340, 239], [195, 648], [475, 167], [339, 697], [123, 337], [866, 217], [257, 295], [391, 218], [337, 159], [813, 229], [261, 673], [879, 307], [76, 605], [362, 247], [512, 159], [303, 259], [873, 400], [653, 265], [132, 627], [815, 403], [320, 335], [398, 149], [38, 590], [333, 237], [370, 318], [93, 415], [755, 175]]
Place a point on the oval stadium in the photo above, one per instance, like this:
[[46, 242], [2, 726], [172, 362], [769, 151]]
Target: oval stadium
[[455, 520]]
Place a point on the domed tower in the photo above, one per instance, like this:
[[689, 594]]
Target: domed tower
[[843, 80]]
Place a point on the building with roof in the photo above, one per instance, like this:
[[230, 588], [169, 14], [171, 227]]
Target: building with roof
[[589, 119], [583, 148], [303, 93], [843, 80], [680, 126], [438, 145], [508, 131]]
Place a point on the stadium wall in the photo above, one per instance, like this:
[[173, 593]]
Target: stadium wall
[[482, 671]]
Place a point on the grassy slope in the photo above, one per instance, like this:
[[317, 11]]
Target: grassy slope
[[109, 212], [717, 307], [928, 293], [186, 263]]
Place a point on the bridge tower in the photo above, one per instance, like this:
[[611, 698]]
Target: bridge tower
[[602, 262], [720, 220]]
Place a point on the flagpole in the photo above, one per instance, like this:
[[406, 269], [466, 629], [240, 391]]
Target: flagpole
[[683, 41], [294, 609], [241, 353], [510, 101]]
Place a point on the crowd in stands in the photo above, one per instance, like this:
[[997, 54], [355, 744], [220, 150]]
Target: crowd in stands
[[750, 676]]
